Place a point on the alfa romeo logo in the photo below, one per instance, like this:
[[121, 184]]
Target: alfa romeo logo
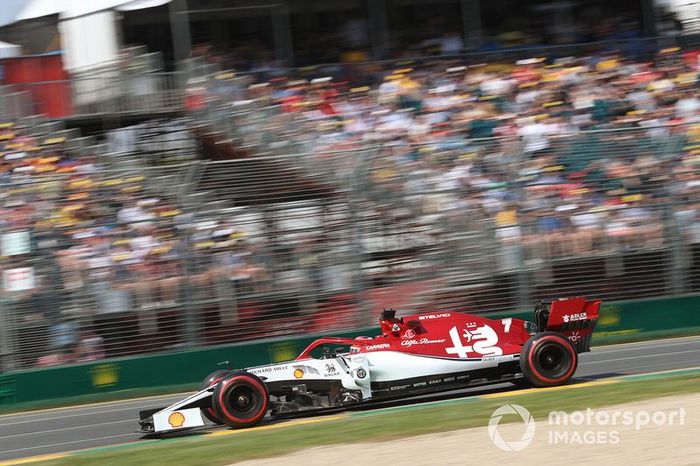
[[512, 445]]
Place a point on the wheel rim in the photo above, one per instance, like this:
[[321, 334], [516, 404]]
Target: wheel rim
[[243, 400], [552, 360]]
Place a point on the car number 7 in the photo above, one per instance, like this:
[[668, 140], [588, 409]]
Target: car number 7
[[506, 324]]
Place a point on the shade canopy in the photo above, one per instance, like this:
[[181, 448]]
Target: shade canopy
[[67, 9]]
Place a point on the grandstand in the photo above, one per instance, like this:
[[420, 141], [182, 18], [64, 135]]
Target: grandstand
[[265, 204]]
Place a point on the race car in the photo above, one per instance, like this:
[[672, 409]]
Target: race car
[[415, 354]]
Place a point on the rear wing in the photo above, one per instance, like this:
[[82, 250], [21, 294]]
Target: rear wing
[[574, 317]]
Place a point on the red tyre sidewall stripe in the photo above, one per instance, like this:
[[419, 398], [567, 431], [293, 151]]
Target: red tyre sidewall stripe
[[251, 381], [533, 368], [211, 409]]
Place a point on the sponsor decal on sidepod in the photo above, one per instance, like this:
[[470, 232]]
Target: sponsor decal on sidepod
[[422, 341], [434, 316], [377, 347]]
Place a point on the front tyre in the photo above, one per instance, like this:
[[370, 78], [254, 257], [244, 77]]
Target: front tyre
[[212, 379], [240, 399], [548, 359]]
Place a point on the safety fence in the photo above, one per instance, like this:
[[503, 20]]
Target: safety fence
[[310, 110], [14, 103], [158, 142], [183, 370], [110, 254], [134, 84], [116, 92], [137, 84]]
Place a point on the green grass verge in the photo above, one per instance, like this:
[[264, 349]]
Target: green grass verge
[[376, 425]]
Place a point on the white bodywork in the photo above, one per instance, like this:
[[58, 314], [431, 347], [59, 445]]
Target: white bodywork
[[380, 366], [191, 417], [386, 366], [354, 371], [165, 421]]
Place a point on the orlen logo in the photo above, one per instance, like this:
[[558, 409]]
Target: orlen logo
[[574, 317], [434, 316]]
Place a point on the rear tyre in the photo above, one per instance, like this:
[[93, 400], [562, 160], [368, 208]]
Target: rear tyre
[[240, 399], [548, 359], [212, 379]]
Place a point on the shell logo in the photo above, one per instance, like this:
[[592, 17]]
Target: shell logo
[[298, 373], [176, 419]]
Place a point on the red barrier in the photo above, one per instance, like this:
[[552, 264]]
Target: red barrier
[[44, 77]]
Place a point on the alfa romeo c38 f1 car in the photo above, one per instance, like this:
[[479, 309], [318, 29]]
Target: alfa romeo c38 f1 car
[[414, 354]]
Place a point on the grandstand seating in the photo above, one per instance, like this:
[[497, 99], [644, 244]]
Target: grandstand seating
[[289, 206]]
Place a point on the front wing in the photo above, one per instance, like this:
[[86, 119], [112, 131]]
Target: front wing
[[184, 414]]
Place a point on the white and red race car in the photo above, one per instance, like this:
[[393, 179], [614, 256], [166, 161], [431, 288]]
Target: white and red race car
[[414, 354]]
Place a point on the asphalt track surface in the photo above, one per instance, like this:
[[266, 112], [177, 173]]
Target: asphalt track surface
[[102, 424]]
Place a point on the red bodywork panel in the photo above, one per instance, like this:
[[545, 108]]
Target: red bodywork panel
[[451, 334], [457, 335]]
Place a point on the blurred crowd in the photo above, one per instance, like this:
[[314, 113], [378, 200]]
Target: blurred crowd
[[569, 157], [573, 155], [98, 243], [423, 31]]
